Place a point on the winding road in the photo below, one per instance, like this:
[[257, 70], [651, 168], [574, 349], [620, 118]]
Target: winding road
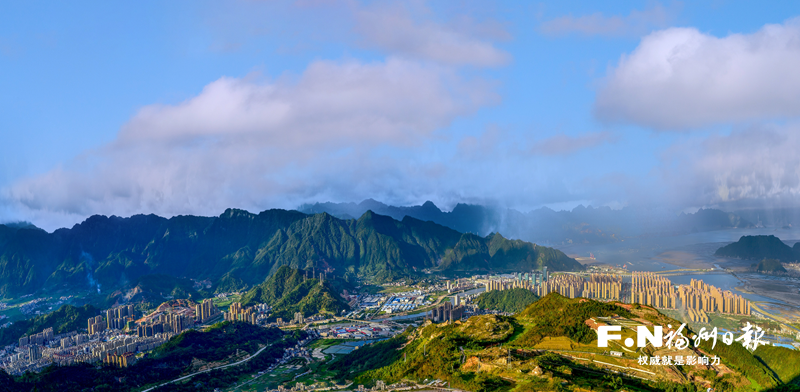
[[208, 370]]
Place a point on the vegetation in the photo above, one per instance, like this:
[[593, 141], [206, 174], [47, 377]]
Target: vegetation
[[759, 247], [64, 319], [770, 266], [739, 358], [289, 291], [169, 361], [467, 356], [783, 361], [508, 301], [555, 315], [496, 353], [495, 253], [239, 249], [434, 354]]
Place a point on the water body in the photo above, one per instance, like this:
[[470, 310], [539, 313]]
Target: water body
[[692, 250], [641, 253]]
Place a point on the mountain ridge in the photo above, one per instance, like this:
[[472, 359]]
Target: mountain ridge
[[238, 249], [543, 225]]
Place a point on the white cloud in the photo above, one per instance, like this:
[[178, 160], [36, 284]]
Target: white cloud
[[250, 144], [756, 165], [635, 24], [398, 29], [681, 78]]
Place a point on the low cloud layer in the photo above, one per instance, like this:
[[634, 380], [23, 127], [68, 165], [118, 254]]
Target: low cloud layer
[[256, 144], [635, 24], [755, 166], [681, 78]]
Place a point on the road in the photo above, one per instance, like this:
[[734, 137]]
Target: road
[[208, 370]]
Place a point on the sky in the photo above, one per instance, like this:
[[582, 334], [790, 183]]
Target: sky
[[192, 107]]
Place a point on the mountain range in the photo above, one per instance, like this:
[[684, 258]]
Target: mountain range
[[239, 249], [580, 225]]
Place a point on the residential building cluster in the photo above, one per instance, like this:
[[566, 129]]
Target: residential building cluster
[[251, 314], [567, 285], [119, 317], [599, 286], [447, 312], [106, 346], [37, 339], [702, 298], [648, 288], [698, 298], [164, 322], [206, 311]]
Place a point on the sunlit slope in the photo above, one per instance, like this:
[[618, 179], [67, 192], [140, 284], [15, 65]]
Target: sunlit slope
[[551, 346]]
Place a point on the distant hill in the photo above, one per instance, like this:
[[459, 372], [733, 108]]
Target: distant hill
[[509, 301], [239, 249], [543, 225], [770, 266], [289, 291], [759, 247]]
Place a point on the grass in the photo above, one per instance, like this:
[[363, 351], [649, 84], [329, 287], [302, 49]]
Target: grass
[[225, 303]]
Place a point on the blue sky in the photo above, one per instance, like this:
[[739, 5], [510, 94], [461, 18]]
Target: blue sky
[[192, 107]]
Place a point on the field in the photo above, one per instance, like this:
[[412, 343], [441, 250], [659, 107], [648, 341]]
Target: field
[[297, 370]]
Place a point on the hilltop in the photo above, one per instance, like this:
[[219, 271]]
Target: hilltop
[[552, 346], [239, 249], [508, 301], [289, 291]]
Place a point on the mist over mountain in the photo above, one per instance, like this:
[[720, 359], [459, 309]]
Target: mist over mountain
[[239, 249], [544, 225]]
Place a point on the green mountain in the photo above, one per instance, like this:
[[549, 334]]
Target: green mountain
[[510, 301], [289, 291], [497, 254], [759, 247], [64, 319], [551, 346], [239, 249]]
